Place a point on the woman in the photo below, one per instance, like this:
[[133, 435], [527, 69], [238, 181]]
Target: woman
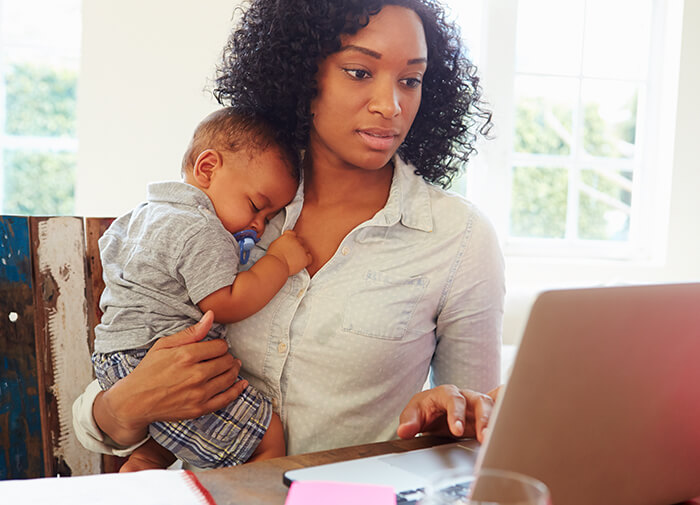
[[406, 278]]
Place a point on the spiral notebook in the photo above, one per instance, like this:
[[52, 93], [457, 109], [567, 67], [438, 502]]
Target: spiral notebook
[[149, 487]]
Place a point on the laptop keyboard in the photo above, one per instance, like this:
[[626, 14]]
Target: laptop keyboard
[[412, 496], [409, 497]]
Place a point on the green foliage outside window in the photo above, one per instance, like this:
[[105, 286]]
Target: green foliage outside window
[[41, 103], [602, 139], [537, 125], [39, 183], [539, 195], [595, 222], [539, 203]]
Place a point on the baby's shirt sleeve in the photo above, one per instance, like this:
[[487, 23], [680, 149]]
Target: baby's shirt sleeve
[[208, 261]]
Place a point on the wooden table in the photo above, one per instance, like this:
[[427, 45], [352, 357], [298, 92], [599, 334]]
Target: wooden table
[[261, 483]]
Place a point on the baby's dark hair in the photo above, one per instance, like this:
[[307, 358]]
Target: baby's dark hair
[[230, 129], [270, 63]]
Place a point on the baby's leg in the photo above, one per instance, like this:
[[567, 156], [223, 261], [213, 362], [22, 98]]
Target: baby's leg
[[272, 444], [148, 456], [111, 367]]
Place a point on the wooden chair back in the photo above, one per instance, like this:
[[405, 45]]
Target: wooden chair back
[[50, 285]]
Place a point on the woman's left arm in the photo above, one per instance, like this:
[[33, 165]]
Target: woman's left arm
[[466, 362]]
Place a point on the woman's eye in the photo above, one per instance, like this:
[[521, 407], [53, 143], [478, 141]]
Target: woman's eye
[[357, 73], [412, 82]]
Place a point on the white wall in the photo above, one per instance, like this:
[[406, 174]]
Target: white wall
[[684, 235], [144, 68]]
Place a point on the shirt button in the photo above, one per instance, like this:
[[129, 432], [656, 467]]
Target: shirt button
[[282, 347], [345, 251], [300, 293]]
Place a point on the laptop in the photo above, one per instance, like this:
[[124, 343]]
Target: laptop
[[602, 404]]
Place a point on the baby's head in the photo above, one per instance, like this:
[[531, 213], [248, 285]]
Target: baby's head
[[249, 177]]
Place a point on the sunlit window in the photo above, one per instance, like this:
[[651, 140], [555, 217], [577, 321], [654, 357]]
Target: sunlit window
[[576, 114], [575, 87], [39, 64]]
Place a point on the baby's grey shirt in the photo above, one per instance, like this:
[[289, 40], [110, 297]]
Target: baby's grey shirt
[[159, 261]]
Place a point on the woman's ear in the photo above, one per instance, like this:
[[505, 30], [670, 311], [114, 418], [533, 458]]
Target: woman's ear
[[206, 164]]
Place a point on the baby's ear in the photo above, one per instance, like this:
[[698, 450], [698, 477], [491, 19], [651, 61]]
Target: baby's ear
[[207, 163]]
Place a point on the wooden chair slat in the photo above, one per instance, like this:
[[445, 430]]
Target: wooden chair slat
[[62, 332], [21, 446], [94, 228]]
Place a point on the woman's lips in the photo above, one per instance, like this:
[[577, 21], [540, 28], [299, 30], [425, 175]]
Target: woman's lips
[[378, 140]]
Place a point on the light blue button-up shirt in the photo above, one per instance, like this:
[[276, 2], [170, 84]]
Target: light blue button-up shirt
[[418, 287]]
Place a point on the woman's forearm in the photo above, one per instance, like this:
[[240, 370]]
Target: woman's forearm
[[112, 416]]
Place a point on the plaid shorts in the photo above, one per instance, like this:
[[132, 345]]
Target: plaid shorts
[[226, 437]]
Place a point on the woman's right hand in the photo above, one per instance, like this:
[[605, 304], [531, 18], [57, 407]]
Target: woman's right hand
[[179, 378]]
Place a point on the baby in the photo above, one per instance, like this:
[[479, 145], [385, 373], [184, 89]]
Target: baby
[[175, 257]]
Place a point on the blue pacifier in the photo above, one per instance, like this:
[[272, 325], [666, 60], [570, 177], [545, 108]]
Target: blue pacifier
[[246, 241]]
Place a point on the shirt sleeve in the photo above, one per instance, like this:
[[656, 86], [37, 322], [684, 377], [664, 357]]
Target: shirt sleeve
[[208, 261], [86, 429], [470, 320]]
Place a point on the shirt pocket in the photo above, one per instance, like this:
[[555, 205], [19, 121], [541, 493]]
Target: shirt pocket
[[382, 305]]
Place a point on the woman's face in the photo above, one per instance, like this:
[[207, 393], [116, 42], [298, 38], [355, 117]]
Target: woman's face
[[369, 92]]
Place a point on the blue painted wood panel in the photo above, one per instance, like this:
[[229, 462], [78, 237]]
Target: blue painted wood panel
[[21, 451]]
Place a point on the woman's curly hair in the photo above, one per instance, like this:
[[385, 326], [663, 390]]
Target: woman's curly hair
[[271, 59]]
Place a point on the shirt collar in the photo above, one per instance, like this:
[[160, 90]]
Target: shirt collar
[[409, 199], [178, 193], [408, 202]]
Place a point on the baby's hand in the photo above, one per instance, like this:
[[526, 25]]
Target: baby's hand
[[291, 250]]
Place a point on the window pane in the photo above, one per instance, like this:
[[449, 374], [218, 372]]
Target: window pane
[[549, 37], [30, 27], [40, 52], [543, 114], [55, 173], [538, 207], [610, 118], [40, 101], [617, 38], [604, 205]]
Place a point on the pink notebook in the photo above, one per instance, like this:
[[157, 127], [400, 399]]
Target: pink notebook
[[338, 493]]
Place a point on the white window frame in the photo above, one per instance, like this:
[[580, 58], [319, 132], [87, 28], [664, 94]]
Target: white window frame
[[489, 175]]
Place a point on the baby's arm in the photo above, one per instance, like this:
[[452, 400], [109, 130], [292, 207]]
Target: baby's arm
[[254, 288]]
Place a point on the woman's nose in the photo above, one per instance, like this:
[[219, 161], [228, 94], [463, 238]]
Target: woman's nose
[[385, 100]]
